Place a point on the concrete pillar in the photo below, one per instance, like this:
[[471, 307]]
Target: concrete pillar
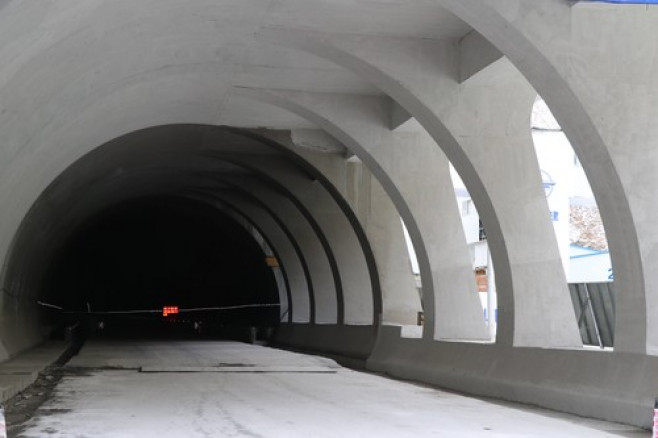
[[600, 87], [381, 222], [420, 186], [399, 291], [421, 76]]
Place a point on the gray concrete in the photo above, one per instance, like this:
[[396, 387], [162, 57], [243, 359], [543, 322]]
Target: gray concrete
[[21, 371], [425, 201], [300, 396], [380, 220], [105, 101]]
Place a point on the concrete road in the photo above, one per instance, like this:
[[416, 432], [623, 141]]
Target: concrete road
[[225, 389]]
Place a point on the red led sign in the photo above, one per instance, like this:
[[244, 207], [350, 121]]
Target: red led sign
[[169, 310]]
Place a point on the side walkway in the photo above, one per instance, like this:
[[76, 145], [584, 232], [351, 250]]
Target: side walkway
[[18, 373]]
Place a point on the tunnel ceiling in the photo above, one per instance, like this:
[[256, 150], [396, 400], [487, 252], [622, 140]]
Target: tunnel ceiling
[[151, 101], [158, 216], [105, 73], [185, 164]]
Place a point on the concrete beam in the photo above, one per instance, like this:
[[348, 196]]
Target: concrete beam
[[452, 309], [534, 36], [353, 288], [476, 53], [381, 222], [399, 116], [420, 75]]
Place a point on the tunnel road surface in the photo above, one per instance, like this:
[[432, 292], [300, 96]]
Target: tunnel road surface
[[229, 389]]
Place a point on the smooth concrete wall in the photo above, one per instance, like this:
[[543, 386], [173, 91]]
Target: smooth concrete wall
[[612, 386], [350, 344]]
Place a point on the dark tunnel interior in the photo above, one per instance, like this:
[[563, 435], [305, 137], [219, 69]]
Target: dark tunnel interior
[[145, 254]]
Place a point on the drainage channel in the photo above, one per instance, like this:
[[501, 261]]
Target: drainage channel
[[20, 408]]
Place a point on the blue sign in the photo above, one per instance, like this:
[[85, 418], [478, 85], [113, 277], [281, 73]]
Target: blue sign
[[554, 216], [547, 183]]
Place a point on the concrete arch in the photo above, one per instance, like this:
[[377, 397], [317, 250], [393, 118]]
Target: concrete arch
[[387, 64], [253, 226], [352, 272], [535, 51], [272, 183], [75, 76], [302, 300], [279, 248], [352, 224], [336, 227], [323, 270], [460, 318]]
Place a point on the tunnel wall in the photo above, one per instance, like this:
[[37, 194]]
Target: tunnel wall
[[601, 384], [78, 76], [252, 176], [350, 345]]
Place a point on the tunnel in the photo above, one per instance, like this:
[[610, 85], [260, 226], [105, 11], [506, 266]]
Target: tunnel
[[158, 252], [306, 171], [123, 235]]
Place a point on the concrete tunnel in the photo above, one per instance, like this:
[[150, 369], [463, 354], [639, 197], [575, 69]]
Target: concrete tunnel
[[193, 226], [162, 153]]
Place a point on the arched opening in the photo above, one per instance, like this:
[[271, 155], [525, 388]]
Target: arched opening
[[147, 221], [579, 230], [480, 254]]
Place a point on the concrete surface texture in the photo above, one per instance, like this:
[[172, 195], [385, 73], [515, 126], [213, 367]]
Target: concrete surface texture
[[21, 371], [296, 403], [320, 124]]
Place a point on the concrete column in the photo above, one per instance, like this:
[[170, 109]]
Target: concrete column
[[600, 86], [421, 76], [491, 118], [420, 186], [381, 222]]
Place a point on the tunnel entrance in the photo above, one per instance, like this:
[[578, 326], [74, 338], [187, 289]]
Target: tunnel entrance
[[119, 269]]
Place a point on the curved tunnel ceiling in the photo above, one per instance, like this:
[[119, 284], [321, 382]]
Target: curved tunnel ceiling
[[165, 169], [104, 70]]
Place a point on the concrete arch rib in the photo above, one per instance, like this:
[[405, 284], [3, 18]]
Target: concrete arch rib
[[314, 248], [365, 258], [303, 296], [537, 55], [257, 228], [373, 217], [356, 123], [419, 75], [355, 299], [325, 270], [290, 265]]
